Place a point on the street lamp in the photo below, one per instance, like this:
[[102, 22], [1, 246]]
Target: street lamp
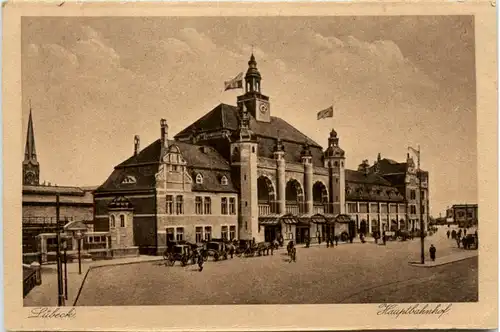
[[65, 247], [78, 236]]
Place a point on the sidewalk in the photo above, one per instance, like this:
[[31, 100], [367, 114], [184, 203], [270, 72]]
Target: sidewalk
[[46, 294], [451, 258]]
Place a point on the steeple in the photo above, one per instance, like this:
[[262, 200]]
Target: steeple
[[31, 168], [30, 150]]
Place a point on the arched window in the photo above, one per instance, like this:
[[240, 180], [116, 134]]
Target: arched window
[[199, 178], [112, 221], [223, 180], [122, 220]]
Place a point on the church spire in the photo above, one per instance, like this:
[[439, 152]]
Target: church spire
[[30, 150], [31, 167]]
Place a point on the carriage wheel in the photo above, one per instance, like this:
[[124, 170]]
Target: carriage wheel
[[216, 257], [225, 255], [184, 261]]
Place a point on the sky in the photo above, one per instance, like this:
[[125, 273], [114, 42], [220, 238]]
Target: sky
[[395, 81]]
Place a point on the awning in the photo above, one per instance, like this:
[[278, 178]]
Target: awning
[[304, 221], [343, 218], [291, 220], [318, 219], [268, 221]]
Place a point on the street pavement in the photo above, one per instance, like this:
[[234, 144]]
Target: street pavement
[[349, 273]]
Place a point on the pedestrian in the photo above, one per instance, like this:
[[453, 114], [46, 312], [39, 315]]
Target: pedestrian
[[432, 252], [200, 262], [448, 234], [336, 240], [464, 243], [384, 238]]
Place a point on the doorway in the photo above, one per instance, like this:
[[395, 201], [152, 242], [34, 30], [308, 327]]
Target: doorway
[[302, 232]]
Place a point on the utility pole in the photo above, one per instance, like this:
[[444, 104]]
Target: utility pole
[[422, 235], [60, 293]]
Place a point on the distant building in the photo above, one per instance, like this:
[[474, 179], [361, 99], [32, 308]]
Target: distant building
[[465, 215], [240, 173], [39, 200]]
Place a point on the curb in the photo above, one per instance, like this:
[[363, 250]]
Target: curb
[[126, 263], [98, 266], [415, 264]]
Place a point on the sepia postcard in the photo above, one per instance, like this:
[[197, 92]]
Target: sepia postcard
[[250, 166]]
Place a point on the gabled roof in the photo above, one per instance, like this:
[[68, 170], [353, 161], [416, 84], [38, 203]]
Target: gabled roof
[[139, 171], [360, 177], [388, 166], [52, 190], [212, 181], [225, 116]]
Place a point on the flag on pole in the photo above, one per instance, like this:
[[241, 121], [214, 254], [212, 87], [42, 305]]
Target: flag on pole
[[326, 113], [235, 83]]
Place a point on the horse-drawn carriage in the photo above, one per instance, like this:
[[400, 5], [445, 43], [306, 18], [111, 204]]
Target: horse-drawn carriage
[[248, 248], [180, 252], [216, 249]]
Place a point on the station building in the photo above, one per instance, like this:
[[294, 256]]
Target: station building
[[240, 173]]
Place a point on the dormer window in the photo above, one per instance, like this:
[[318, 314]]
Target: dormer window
[[199, 178], [223, 181]]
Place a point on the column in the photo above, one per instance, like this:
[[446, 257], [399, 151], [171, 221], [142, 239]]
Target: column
[[369, 221], [308, 179], [281, 185]]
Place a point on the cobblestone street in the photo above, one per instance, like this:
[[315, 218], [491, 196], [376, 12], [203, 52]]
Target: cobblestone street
[[349, 273]]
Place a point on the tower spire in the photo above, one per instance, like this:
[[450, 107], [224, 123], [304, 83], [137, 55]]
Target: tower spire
[[30, 150], [31, 167]]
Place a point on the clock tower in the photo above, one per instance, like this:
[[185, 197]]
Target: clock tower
[[255, 102], [31, 167]]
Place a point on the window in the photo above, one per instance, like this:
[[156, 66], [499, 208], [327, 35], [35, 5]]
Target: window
[[170, 204], [413, 194], [112, 221], [90, 239], [199, 178], [199, 234], [179, 205], [232, 232], [223, 181], [224, 232], [422, 195], [402, 209], [413, 209], [208, 233], [198, 204], [170, 234], [122, 220], [179, 233], [223, 205], [352, 208], [232, 205], [363, 207], [393, 208], [423, 209], [383, 208], [374, 208], [208, 205]]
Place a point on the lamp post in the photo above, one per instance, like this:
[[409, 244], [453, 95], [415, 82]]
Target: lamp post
[[60, 295], [65, 247], [78, 236]]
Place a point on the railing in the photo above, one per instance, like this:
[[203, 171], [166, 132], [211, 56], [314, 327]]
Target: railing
[[291, 207], [29, 280]]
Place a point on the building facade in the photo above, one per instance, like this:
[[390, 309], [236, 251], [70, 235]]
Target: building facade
[[239, 172], [465, 215]]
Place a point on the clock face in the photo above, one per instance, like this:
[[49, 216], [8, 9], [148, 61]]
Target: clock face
[[263, 108]]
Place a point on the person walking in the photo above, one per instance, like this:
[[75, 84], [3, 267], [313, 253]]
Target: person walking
[[448, 234], [432, 252], [336, 240], [200, 262]]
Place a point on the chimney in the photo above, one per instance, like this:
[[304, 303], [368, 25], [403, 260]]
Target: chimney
[[164, 133], [137, 145]]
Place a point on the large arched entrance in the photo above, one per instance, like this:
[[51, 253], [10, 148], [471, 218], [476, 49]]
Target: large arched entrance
[[320, 198], [294, 196], [266, 196]]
